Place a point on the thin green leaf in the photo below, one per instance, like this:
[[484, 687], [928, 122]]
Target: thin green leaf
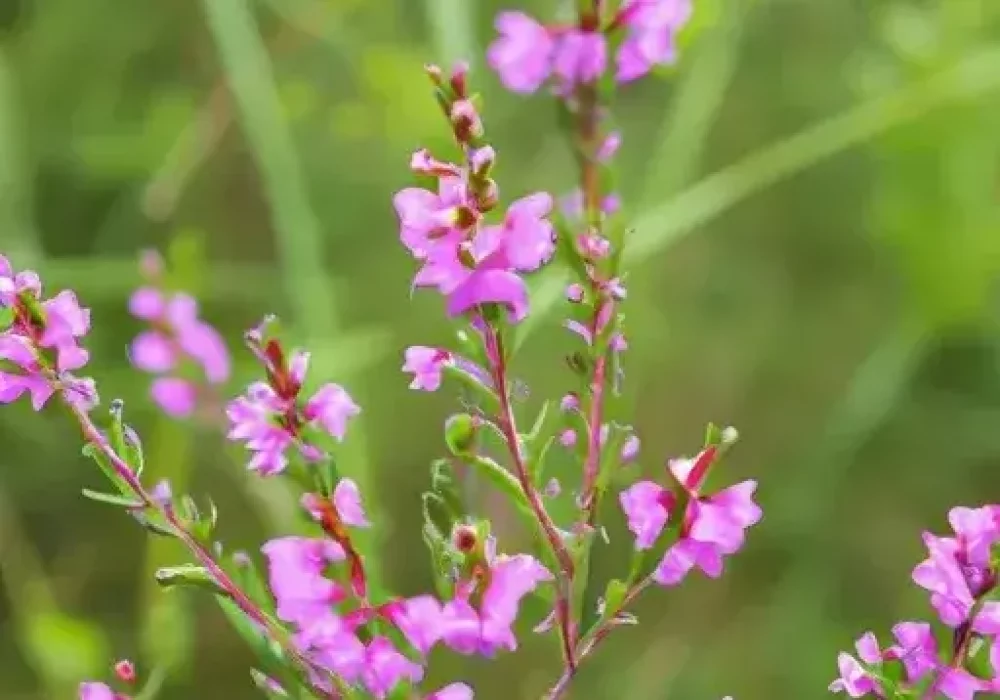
[[112, 499]]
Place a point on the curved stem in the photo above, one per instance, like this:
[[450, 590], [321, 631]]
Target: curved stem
[[93, 436]]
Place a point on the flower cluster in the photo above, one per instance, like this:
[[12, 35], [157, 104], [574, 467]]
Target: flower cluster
[[271, 417], [709, 526], [528, 53], [40, 342], [468, 261], [177, 338], [337, 625], [961, 575]]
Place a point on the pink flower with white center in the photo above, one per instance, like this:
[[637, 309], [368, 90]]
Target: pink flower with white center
[[97, 691], [454, 691], [652, 31], [426, 364], [177, 336], [522, 54], [486, 628], [580, 58], [331, 407], [710, 526], [854, 679], [296, 567], [385, 667]]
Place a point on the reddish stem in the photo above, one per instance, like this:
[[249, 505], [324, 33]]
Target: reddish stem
[[93, 436], [508, 426]]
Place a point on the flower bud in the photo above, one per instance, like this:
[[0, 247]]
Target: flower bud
[[488, 196], [125, 671], [435, 74], [593, 246], [570, 402], [460, 434], [567, 438], [574, 293], [460, 79], [465, 538], [465, 121]]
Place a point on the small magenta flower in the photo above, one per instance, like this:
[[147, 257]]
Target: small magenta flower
[[419, 619], [854, 679], [385, 667], [178, 336], [710, 526], [331, 407], [426, 364], [501, 584], [652, 27], [959, 574], [580, 58], [522, 54], [97, 691], [454, 691], [296, 567]]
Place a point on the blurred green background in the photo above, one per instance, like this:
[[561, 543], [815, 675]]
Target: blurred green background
[[814, 194]]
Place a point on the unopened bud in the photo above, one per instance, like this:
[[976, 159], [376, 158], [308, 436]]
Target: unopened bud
[[482, 160], [460, 79], [125, 671], [434, 73], [488, 196], [574, 293], [465, 538], [465, 121], [461, 433], [593, 246]]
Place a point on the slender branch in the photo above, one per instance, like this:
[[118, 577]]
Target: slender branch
[[594, 637], [508, 426], [94, 436]]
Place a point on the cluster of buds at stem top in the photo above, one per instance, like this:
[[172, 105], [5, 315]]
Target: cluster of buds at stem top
[[473, 264]]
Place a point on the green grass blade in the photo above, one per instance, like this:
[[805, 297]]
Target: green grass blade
[[299, 236]]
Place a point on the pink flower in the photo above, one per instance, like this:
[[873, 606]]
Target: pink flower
[[854, 679], [527, 236], [419, 619], [177, 336], [346, 500], [522, 54], [385, 667], [331, 407], [295, 573], [454, 691], [426, 365], [646, 506], [256, 419], [955, 584], [468, 629], [96, 691], [580, 58], [651, 40], [177, 397], [711, 526], [13, 284]]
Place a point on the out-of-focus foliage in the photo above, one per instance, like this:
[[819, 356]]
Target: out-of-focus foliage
[[816, 198]]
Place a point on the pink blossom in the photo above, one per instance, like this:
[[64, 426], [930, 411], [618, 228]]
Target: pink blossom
[[347, 501], [256, 419], [13, 284], [854, 679], [385, 667], [178, 335], [651, 40], [426, 365], [955, 584], [331, 407], [485, 629], [96, 691], [522, 54], [580, 57], [454, 691], [295, 573], [711, 526], [177, 397]]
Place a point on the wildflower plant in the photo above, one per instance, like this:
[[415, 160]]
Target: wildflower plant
[[305, 603]]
